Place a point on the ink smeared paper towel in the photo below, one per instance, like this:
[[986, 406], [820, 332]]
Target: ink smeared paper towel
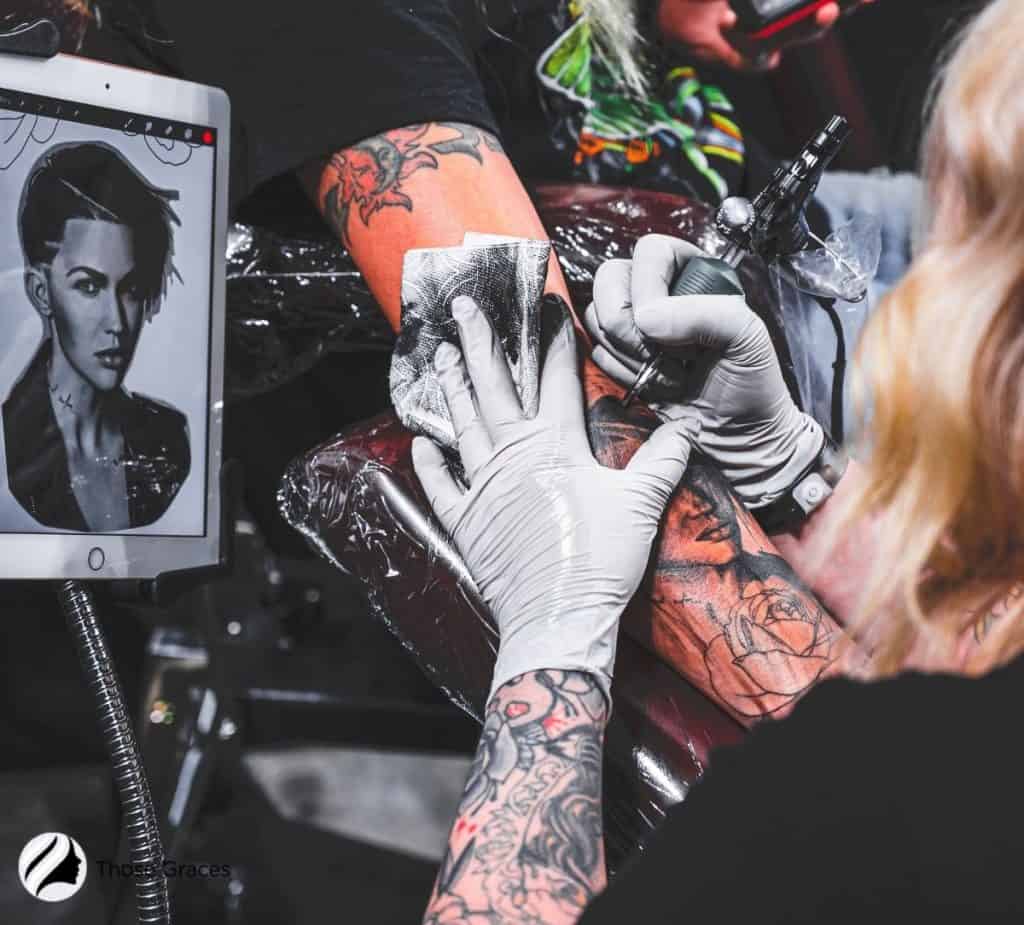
[[506, 279]]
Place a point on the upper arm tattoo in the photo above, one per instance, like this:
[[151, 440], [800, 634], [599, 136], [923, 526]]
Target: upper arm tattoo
[[370, 175], [526, 846]]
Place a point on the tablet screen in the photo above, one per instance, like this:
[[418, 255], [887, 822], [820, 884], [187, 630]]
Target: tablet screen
[[106, 237]]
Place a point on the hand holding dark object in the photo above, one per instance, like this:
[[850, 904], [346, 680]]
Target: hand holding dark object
[[556, 543], [708, 28], [726, 371]]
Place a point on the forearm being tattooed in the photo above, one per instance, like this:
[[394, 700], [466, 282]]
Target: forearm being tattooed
[[420, 186], [721, 606], [527, 843]]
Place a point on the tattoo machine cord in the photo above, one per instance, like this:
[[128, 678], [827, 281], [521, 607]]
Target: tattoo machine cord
[[139, 817], [838, 431], [773, 226]]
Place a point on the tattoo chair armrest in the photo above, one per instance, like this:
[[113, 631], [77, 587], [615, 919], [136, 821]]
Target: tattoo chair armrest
[[359, 504]]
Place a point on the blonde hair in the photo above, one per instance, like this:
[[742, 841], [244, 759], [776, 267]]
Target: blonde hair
[[943, 364]]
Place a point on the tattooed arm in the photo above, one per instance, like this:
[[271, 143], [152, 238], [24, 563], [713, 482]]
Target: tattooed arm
[[556, 545], [720, 605], [426, 185], [421, 186], [527, 843]]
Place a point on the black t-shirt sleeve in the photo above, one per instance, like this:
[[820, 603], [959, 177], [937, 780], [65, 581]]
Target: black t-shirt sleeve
[[308, 77], [869, 799]]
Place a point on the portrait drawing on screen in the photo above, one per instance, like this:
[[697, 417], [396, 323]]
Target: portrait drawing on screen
[[83, 452]]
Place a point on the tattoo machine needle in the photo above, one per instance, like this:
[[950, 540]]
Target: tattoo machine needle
[[773, 226]]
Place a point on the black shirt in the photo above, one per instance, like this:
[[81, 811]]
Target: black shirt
[[892, 802], [307, 78]]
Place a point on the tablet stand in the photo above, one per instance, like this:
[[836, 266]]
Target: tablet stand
[[138, 818], [41, 39]]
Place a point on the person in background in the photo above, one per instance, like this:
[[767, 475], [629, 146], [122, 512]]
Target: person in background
[[396, 111], [892, 801], [415, 123]]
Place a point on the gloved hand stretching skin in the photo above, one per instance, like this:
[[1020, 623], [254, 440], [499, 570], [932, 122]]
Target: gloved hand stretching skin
[[719, 365], [556, 543]]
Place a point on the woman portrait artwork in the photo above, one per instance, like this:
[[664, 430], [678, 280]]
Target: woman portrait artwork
[[83, 452]]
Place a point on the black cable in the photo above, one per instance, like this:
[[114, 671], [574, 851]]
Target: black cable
[[138, 816], [838, 371]]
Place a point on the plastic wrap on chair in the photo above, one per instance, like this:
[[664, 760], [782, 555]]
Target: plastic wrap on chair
[[290, 300], [356, 499]]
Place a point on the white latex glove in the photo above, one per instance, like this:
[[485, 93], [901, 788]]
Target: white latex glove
[[556, 543], [750, 425]]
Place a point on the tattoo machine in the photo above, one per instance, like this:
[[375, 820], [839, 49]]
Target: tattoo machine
[[774, 227]]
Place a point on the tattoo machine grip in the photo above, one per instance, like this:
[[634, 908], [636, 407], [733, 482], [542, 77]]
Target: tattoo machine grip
[[706, 276], [699, 276], [772, 226]]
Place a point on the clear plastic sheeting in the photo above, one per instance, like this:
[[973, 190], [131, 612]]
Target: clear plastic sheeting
[[895, 200], [842, 265], [291, 300], [806, 319], [358, 502]]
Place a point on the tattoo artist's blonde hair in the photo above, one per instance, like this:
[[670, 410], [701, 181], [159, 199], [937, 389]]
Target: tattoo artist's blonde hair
[[943, 364]]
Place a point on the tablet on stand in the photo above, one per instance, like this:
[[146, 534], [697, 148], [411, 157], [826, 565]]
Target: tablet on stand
[[113, 223], [113, 227]]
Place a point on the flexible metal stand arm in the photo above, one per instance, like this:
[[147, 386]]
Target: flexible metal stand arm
[[139, 818]]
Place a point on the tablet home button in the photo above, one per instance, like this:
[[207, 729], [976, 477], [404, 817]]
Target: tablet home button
[[96, 558]]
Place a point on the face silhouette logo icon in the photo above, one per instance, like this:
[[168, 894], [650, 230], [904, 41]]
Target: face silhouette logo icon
[[52, 867]]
